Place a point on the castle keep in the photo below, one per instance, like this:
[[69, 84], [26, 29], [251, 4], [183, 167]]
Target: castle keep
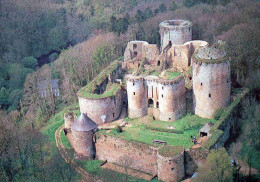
[[166, 83]]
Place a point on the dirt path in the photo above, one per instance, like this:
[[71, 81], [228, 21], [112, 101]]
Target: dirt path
[[85, 176]]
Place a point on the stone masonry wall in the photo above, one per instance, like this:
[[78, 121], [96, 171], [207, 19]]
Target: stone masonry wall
[[137, 97], [83, 144], [172, 100], [95, 108], [171, 169], [211, 87], [68, 120], [142, 156], [176, 31]]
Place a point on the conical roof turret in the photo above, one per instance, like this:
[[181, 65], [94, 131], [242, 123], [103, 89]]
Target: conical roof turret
[[83, 123]]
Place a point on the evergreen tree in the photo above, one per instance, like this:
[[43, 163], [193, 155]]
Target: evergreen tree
[[162, 8]]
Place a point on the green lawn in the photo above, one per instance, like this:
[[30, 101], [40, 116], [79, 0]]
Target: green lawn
[[53, 124], [171, 75], [65, 141], [189, 125]]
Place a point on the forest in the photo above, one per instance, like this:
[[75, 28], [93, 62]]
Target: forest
[[73, 40]]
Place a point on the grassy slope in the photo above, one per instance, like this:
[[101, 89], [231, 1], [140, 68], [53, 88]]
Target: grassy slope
[[91, 166]]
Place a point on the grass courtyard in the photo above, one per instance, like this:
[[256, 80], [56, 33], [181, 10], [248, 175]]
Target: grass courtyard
[[174, 133]]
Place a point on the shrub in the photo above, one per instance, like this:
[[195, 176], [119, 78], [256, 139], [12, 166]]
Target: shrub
[[53, 56], [29, 62], [118, 129], [218, 113]]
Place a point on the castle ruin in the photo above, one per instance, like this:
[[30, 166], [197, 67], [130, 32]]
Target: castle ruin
[[158, 82]]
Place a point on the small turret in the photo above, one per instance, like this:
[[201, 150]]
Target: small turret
[[82, 131]]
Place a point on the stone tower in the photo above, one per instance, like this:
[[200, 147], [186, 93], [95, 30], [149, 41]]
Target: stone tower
[[175, 32], [68, 120], [137, 96], [172, 99], [211, 81], [170, 162], [82, 131]]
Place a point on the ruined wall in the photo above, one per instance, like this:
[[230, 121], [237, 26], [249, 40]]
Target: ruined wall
[[170, 168], [172, 99], [211, 84], [116, 150], [135, 50], [194, 45], [83, 144], [137, 96], [151, 53], [108, 106], [68, 119], [179, 56], [175, 31]]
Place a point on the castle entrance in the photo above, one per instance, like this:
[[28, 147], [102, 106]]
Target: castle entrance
[[150, 102]]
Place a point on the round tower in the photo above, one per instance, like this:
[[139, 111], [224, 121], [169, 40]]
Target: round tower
[[170, 162], [175, 32], [172, 99], [82, 131], [211, 81], [68, 120], [137, 96]]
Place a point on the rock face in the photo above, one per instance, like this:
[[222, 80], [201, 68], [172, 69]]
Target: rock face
[[175, 32], [211, 81], [82, 131]]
